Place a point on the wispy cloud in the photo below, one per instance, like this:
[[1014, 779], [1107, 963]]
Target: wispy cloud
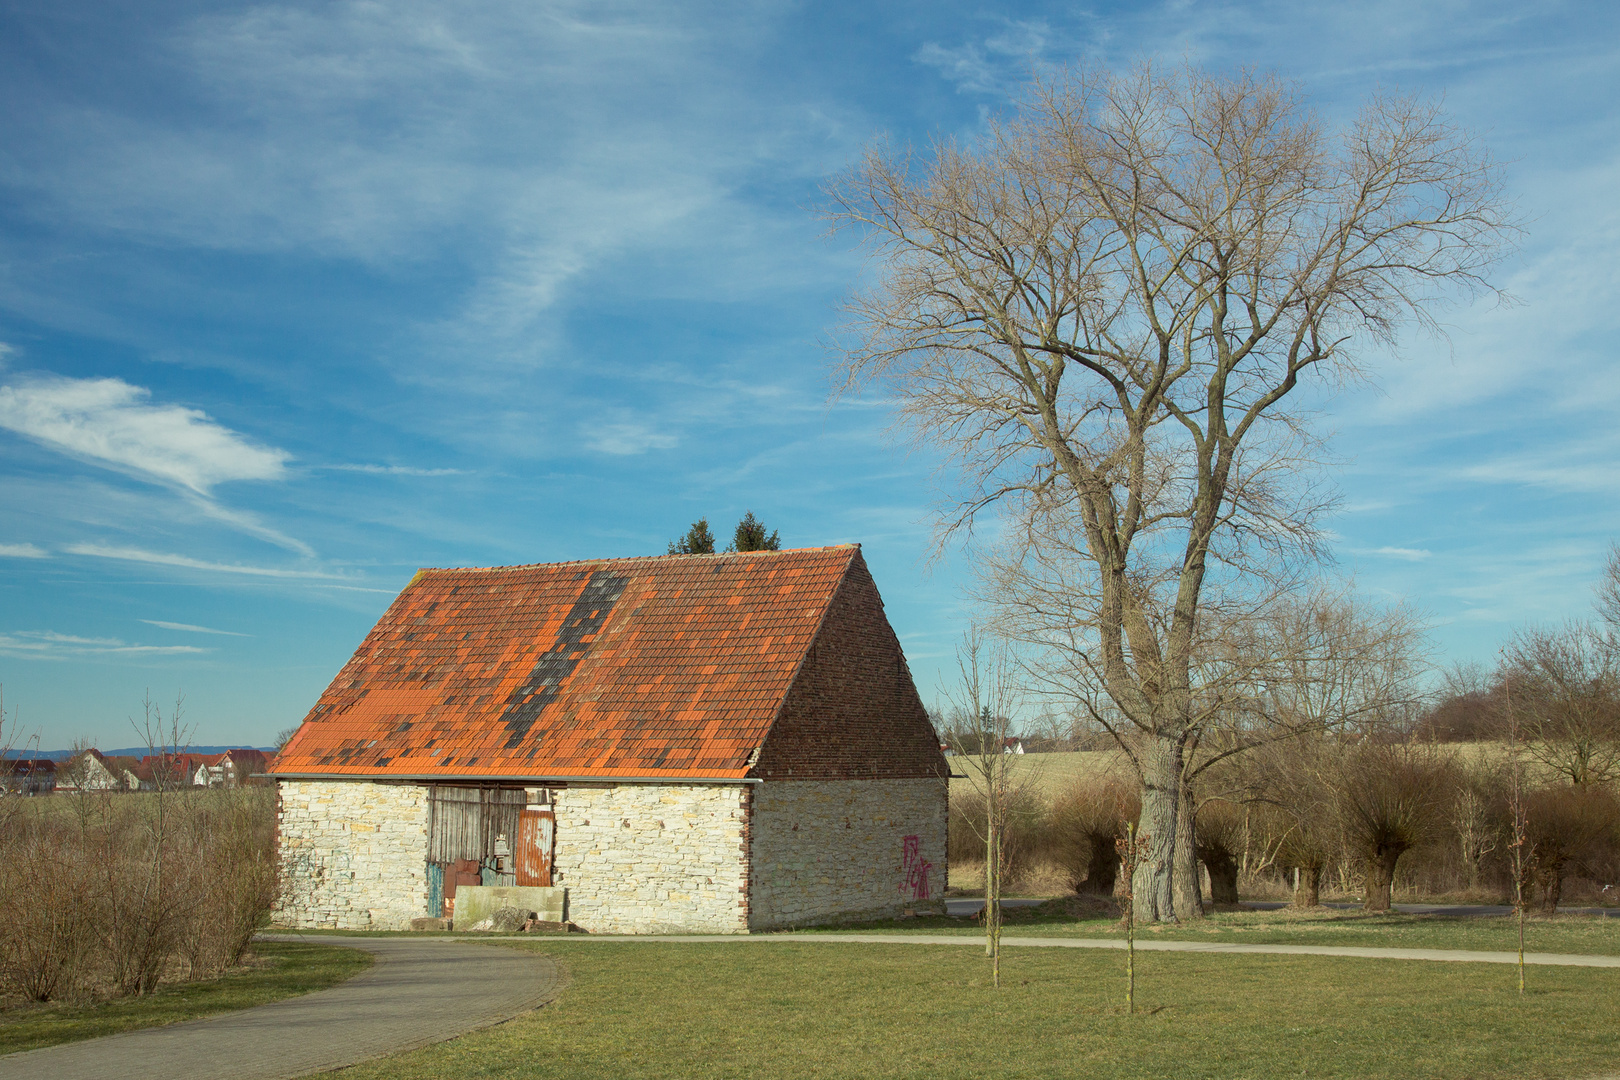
[[23, 551], [395, 470], [625, 437], [190, 629], [1403, 553], [112, 423], [989, 65], [158, 558], [49, 645]]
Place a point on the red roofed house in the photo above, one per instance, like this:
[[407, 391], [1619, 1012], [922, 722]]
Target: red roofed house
[[716, 743]]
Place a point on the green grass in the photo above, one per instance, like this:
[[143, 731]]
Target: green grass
[[670, 1010], [1561, 934], [293, 968]]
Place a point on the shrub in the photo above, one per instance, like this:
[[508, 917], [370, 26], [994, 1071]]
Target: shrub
[[1087, 817], [1567, 828], [114, 893]]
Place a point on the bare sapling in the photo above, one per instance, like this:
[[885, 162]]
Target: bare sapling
[[1516, 848], [144, 919], [1132, 850], [979, 733]]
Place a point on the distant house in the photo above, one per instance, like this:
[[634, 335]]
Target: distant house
[[717, 743], [238, 767], [88, 771], [27, 776], [1012, 745], [206, 770]]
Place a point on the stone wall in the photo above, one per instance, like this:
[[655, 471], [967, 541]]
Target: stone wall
[[653, 859], [354, 852], [826, 850]]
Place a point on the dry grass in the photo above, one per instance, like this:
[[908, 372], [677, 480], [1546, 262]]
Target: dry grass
[[1051, 773]]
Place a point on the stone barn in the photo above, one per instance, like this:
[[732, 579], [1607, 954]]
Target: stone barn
[[683, 743]]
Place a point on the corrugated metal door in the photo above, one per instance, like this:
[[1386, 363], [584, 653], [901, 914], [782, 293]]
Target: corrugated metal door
[[435, 884], [537, 835]]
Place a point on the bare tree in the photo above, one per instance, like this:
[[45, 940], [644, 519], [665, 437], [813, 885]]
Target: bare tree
[[986, 698], [1391, 797], [1566, 697], [1102, 310], [1222, 830], [1088, 815]]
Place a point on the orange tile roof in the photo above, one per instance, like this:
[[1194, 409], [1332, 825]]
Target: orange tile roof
[[669, 666]]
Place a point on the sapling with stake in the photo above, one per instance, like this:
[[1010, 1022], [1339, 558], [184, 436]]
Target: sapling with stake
[[1131, 849]]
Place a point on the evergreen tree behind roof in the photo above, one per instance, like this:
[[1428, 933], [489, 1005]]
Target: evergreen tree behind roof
[[697, 541], [750, 536]]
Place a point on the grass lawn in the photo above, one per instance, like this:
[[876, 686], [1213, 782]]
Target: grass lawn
[[292, 968], [1563, 933], [671, 1010]]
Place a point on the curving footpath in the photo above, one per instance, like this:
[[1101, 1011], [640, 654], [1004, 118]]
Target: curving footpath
[[1365, 952], [419, 991]]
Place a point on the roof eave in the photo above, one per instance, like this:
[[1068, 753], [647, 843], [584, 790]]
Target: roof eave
[[464, 778]]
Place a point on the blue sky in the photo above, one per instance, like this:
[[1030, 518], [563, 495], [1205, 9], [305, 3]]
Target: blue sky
[[296, 298]]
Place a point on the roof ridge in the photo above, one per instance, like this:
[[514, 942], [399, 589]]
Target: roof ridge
[[635, 559]]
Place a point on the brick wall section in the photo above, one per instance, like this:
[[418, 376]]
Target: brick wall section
[[853, 710], [354, 854], [654, 859], [834, 850]]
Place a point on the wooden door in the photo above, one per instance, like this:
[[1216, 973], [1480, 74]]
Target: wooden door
[[536, 839]]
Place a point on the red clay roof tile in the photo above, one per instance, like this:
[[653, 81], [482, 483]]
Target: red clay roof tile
[[667, 666]]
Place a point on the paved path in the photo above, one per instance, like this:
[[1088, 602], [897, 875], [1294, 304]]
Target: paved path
[[1463, 955], [420, 991], [970, 906]]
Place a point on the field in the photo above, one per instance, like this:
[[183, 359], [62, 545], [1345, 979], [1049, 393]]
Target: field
[[755, 1009], [1050, 773], [280, 970]]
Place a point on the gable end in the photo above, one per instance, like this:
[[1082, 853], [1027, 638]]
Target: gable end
[[852, 712]]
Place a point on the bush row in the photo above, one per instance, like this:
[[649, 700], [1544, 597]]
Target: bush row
[[110, 894], [1346, 820]]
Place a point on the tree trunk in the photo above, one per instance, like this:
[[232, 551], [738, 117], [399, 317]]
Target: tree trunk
[[1223, 878], [1103, 868], [1550, 882], [1307, 886], [1186, 883], [1168, 876], [1381, 878]]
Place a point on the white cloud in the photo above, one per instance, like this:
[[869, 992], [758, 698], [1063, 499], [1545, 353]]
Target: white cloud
[[190, 628], [1402, 553], [395, 470], [992, 65], [49, 645], [23, 551], [158, 558], [110, 422], [626, 437]]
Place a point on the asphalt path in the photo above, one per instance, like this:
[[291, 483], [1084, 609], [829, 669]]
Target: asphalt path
[[1363, 952], [419, 991], [965, 907]]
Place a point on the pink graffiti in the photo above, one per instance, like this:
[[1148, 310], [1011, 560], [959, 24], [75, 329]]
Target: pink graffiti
[[913, 869]]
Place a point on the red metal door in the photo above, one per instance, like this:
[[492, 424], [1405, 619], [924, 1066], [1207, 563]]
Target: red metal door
[[537, 832]]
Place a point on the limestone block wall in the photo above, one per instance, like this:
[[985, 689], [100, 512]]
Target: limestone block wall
[[654, 859], [354, 854], [826, 850]]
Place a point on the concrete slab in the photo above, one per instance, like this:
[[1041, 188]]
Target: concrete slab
[[474, 903]]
